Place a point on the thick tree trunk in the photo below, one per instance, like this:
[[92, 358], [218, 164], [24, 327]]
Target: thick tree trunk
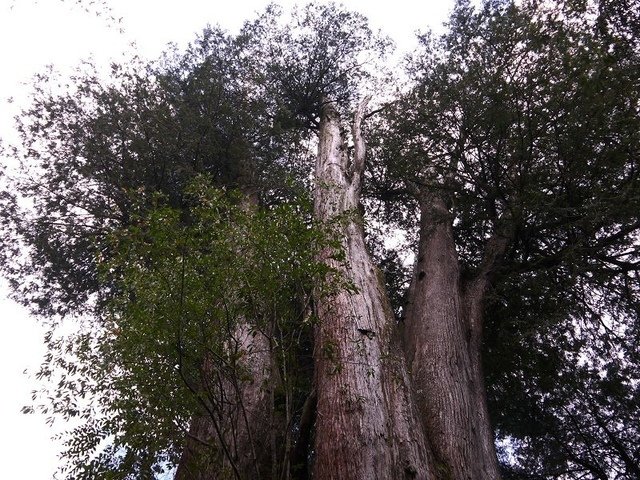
[[375, 417], [234, 437], [442, 339], [366, 425]]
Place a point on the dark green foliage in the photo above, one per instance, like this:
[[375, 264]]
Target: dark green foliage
[[104, 224], [525, 119], [167, 205], [97, 147], [229, 107], [323, 53]]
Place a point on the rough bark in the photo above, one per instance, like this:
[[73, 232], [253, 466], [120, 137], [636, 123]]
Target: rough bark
[[443, 331], [387, 405], [233, 438], [366, 423]]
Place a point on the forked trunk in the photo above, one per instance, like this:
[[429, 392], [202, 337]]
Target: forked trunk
[[377, 415], [442, 341], [366, 425]]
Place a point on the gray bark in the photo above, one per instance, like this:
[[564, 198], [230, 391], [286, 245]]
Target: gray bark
[[366, 423]]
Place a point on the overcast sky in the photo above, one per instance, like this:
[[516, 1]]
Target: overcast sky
[[35, 33]]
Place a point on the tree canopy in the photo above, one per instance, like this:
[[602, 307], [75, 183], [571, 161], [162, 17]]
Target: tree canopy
[[168, 208], [525, 119]]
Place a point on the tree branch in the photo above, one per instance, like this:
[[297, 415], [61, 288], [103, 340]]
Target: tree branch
[[359, 150]]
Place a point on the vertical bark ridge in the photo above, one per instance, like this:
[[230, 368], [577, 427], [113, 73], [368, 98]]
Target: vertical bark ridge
[[443, 351], [366, 422]]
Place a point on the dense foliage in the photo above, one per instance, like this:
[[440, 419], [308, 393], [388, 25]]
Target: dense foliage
[[136, 374], [141, 274], [524, 119]]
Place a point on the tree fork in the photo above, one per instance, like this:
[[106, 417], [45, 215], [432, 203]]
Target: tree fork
[[366, 426], [442, 340]]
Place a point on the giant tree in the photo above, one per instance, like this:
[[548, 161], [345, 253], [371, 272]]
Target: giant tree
[[518, 147], [509, 162]]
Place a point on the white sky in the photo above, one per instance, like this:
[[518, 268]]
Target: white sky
[[34, 33]]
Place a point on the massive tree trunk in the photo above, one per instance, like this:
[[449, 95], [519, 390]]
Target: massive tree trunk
[[234, 436], [443, 332], [388, 405], [366, 424]]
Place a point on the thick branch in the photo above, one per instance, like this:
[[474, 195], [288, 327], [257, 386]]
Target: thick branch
[[359, 150], [493, 255]]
